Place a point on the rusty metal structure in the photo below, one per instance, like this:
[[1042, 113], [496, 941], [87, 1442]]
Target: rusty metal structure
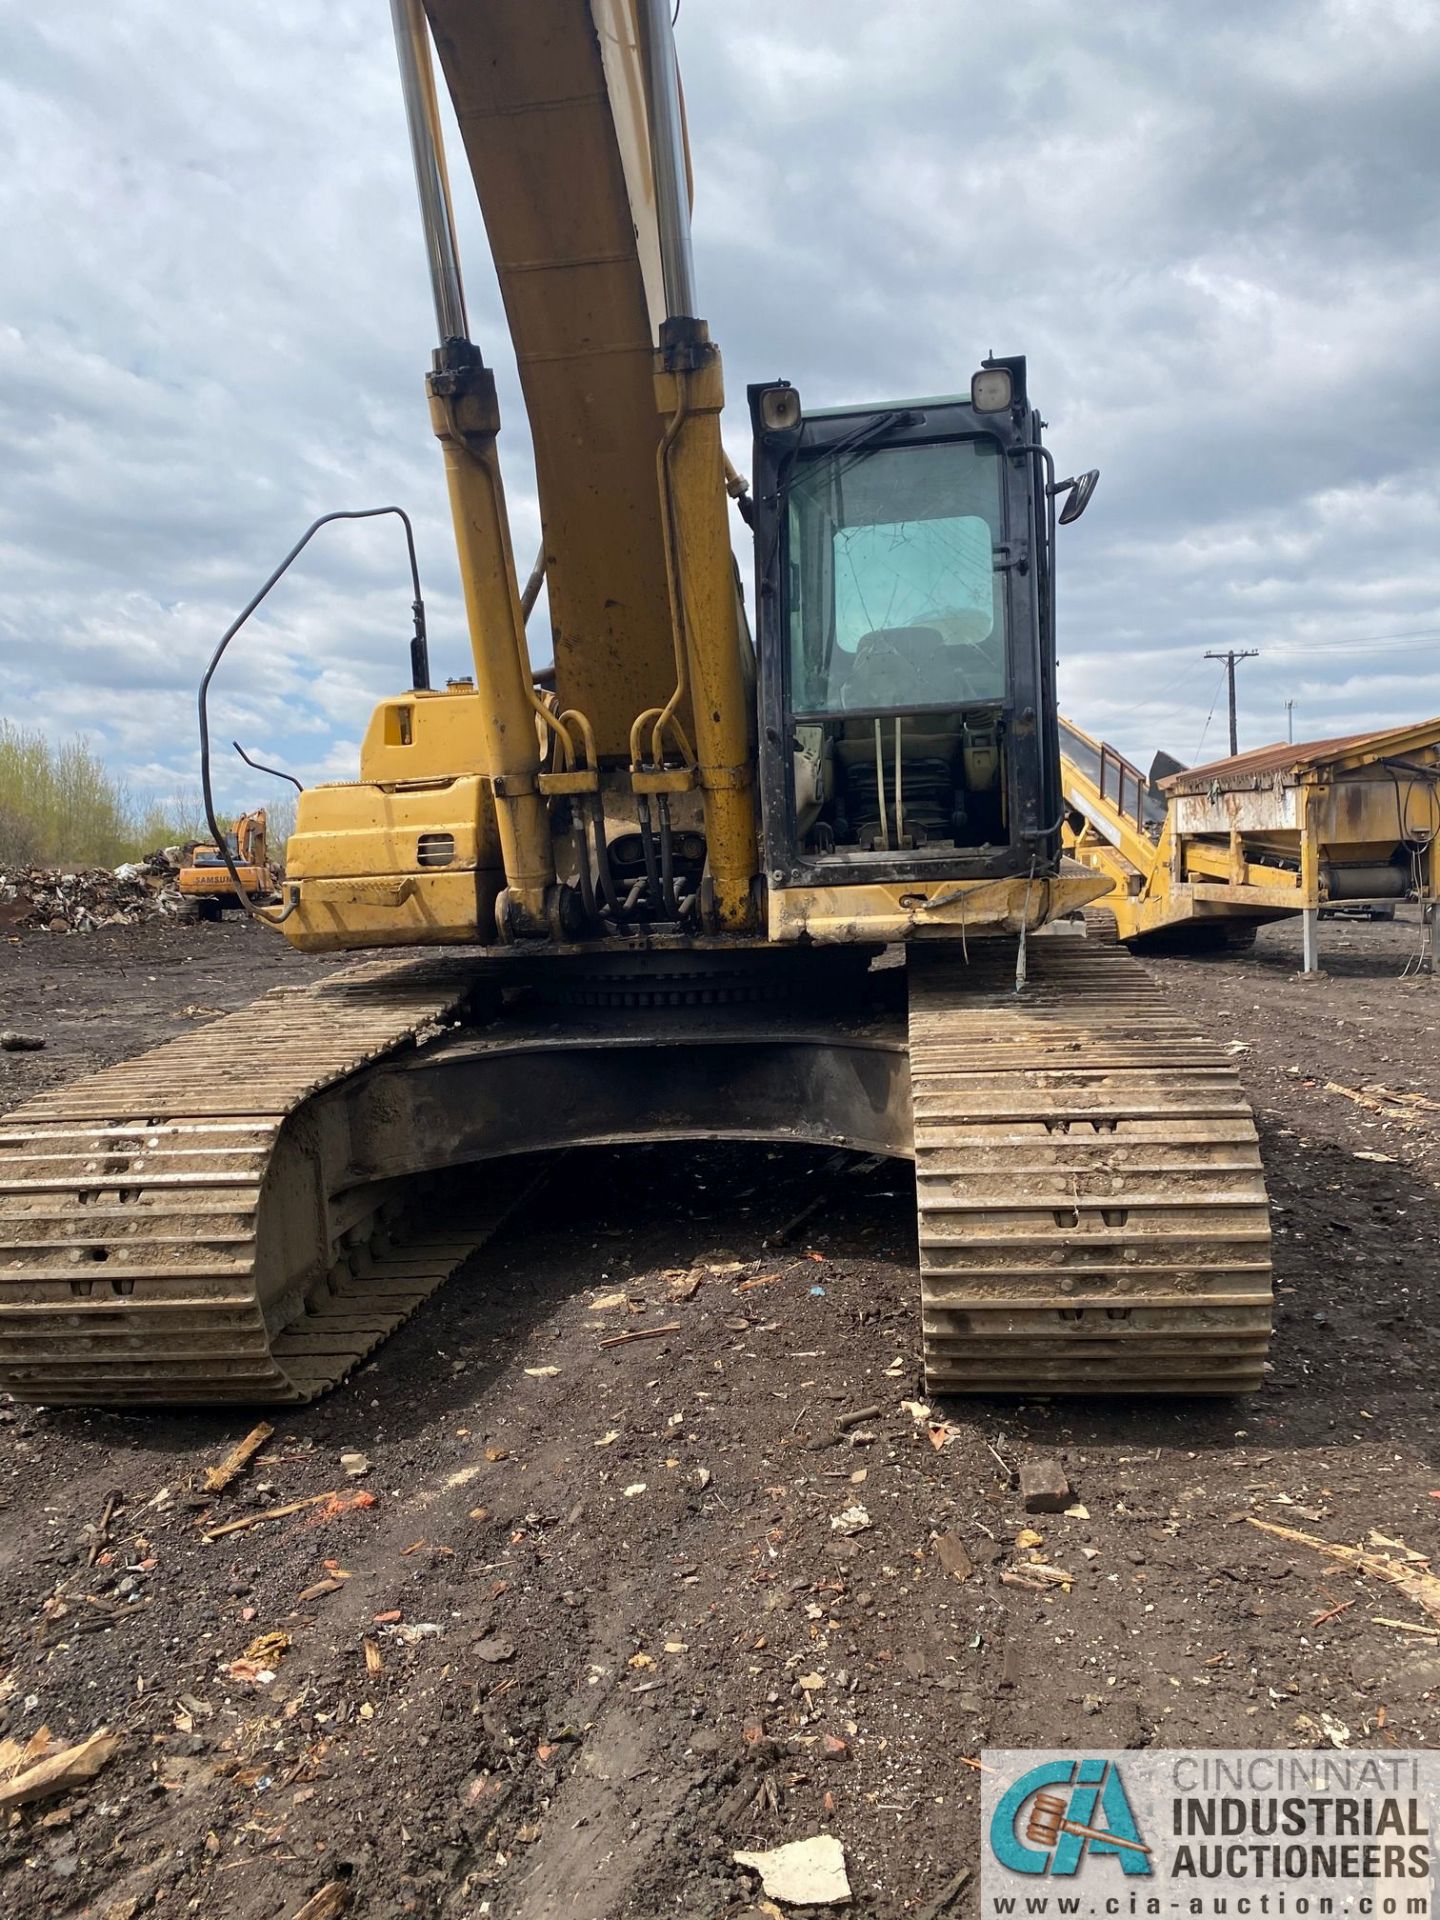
[[649, 896], [1208, 854]]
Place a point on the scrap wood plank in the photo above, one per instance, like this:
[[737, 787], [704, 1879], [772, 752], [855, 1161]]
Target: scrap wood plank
[[266, 1513], [331, 1901], [217, 1478], [71, 1767]]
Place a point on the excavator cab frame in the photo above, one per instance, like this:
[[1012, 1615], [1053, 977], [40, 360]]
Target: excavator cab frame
[[981, 710]]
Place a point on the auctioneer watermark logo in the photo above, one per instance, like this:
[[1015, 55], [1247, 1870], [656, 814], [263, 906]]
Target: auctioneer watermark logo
[[1210, 1834], [1046, 1820]]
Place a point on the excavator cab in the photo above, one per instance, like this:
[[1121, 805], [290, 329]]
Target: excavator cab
[[906, 638]]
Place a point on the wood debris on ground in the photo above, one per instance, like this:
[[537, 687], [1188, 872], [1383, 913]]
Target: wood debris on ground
[[1037, 1577], [100, 1536], [951, 1554], [258, 1664], [328, 1904], [640, 1333], [947, 1895], [1411, 1109], [16, 1755], [1332, 1613], [1410, 1574], [1045, 1486], [189, 1712], [318, 1591], [218, 1478], [247, 1520], [58, 1772]]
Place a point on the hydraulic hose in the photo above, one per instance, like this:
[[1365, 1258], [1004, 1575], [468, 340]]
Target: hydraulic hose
[[418, 606]]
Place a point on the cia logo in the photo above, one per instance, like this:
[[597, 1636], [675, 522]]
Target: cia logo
[[1059, 1815]]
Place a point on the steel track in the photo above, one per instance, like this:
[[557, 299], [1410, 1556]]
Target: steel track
[[1092, 1207], [244, 1214], [160, 1235]]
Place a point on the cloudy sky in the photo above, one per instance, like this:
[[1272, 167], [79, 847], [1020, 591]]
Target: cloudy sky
[[1214, 230]]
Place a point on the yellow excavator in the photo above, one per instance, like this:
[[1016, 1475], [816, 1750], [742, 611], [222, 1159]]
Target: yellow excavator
[[685, 885]]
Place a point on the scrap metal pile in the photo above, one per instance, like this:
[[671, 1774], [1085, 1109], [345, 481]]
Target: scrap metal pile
[[54, 901]]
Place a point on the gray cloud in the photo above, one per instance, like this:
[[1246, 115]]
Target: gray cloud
[[1211, 230]]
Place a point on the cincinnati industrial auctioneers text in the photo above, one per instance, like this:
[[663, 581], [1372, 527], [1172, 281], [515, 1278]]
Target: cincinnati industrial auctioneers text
[[1353, 1817]]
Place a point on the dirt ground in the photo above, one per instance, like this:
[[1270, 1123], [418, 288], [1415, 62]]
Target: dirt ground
[[616, 1634]]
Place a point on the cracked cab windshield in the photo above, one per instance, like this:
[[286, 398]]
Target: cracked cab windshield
[[896, 603]]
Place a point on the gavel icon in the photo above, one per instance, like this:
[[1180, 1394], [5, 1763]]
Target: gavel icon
[[1047, 1822]]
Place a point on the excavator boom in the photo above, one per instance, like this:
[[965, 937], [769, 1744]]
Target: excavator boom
[[550, 108]]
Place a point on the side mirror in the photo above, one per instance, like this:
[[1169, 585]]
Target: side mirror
[[1079, 489]]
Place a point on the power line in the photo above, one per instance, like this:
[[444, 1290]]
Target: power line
[[1173, 706], [1209, 716], [1397, 645]]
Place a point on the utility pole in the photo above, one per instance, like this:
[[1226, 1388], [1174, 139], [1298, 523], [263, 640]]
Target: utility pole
[[1290, 721], [1230, 656]]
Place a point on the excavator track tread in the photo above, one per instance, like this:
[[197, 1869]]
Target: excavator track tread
[[1092, 1206], [129, 1204]]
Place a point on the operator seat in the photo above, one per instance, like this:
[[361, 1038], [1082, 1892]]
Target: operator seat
[[903, 667]]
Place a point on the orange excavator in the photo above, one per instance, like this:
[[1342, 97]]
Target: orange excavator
[[802, 886], [207, 879]]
